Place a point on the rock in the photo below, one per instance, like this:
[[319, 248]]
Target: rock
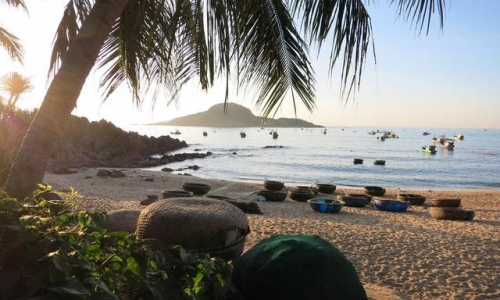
[[64, 170], [50, 195], [108, 173], [167, 170]]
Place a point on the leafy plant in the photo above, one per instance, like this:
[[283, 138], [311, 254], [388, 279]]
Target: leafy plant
[[51, 250]]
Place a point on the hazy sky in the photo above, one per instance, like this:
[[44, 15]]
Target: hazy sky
[[448, 79]]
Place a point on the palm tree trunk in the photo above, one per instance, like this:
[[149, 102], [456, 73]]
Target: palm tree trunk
[[31, 162]]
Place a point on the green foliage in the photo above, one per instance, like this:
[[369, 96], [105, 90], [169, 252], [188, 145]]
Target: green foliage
[[51, 250]]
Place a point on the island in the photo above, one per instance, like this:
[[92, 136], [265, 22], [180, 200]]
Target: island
[[235, 116]]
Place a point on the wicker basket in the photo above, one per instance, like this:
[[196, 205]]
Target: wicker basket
[[122, 220], [196, 223]]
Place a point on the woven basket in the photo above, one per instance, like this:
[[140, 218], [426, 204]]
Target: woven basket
[[196, 223], [122, 220]]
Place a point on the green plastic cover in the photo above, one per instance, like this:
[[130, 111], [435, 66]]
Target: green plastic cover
[[296, 267]]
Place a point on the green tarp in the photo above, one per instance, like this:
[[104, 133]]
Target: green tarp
[[296, 267]]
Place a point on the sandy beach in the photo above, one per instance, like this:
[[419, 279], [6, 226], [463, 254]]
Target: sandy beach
[[397, 255]]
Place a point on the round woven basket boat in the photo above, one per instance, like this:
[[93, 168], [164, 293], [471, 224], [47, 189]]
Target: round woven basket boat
[[199, 224], [451, 213], [414, 199], [122, 220]]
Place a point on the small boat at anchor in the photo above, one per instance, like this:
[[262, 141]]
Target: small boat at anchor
[[243, 134], [429, 149], [459, 136], [448, 144]]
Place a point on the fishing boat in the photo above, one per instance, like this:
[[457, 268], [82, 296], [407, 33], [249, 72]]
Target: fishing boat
[[426, 133], [440, 139], [429, 149], [448, 144], [175, 132], [459, 136]]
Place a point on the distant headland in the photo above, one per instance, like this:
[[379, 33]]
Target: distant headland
[[235, 116]]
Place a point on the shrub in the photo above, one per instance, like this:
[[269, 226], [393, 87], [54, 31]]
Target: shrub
[[51, 250]]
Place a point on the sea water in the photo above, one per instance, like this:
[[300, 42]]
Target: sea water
[[304, 156]]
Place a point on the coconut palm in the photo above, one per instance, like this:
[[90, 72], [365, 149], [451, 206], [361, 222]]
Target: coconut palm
[[9, 41], [162, 44], [14, 84]]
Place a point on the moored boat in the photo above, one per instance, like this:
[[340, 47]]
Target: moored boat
[[243, 134], [459, 136], [429, 149], [448, 144]]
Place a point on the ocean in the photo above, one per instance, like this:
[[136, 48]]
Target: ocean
[[304, 156]]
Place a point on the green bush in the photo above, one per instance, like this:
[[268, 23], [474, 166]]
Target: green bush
[[51, 250]]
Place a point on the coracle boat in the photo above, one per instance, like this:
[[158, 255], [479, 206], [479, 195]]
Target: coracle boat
[[376, 191], [414, 199], [176, 194], [196, 188], [357, 161], [451, 213], [273, 196], [391, 205], [301, 196], [367, 197], [274, 185], [353, 201], [326, 205], [452, 202], [326, 188]]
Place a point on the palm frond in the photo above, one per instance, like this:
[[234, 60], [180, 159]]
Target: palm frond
[[15, 3], [11, 44], [73, 16], [348, 25], [272, 55], [420, 12]]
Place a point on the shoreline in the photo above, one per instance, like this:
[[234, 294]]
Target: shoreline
[[397, 255]]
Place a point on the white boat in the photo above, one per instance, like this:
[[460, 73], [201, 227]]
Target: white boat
[[448, 144], [440, 139], [459, 136]]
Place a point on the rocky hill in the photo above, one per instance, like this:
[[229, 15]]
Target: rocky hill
[[236, 116]]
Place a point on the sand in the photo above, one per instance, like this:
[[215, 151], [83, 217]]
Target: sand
[[397, 255]]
